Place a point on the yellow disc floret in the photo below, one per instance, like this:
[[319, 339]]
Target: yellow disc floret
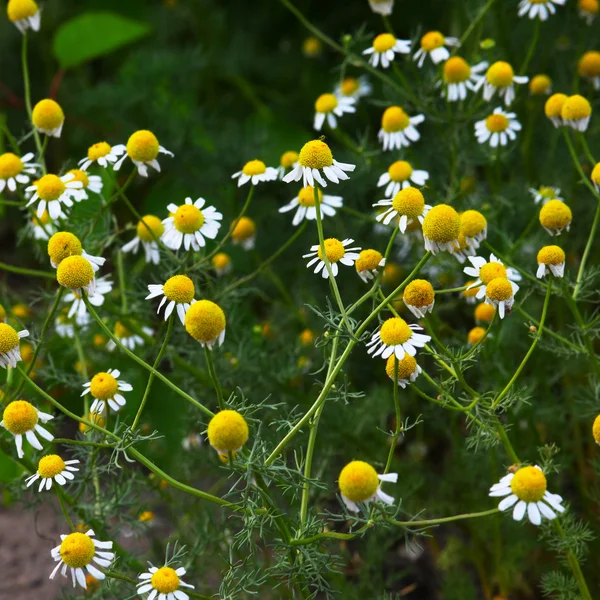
[[441, 224], [103, 386], [384, 42], [589, 64], [555, 215], [496, 123], [575, 108], [221, 260], [596, 430], [491, 270], [394, 119], [154, 224], [588, 6], [499, 289], [311, 46], [484, 312], [165, 580], [98, 150], [306, 196], [288, 159], [326, 103], [472, 223], [456, 70], [432, 40], [20, 417], [63, 244], [179, 288], [419, 293], [227, 431], [47, 115], [21, 9], [50, 187], [50, 465], [596, 174], [395, 331], [334, 250], [529, 484], [406, 366], [400, 171], [500, 74], [77, 550], [244, 229], [254, 167], [204, 321], [81, 176], [315, 155], [75, 272], [10, 165], [188, 218], [368, 260], [540, 84], [551, 255], [307, 337], [554, 105], [475, 335], [142, 146], [349, 86], [358, 481], [409, 202], [9, 338]]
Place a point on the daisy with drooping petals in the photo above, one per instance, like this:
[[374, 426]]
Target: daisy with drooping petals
[[382, 7], [76, 274], [396, 337], [143, 149], [473, 225], [353, 87], [540, 85], [64, 244], [385, 47], [244, 233], [163, 583], [314, 161], [22, 419], [551, 259], [555, 216], [24, 14], [407, 368], [545, 193], [484, 271], [102, 153], [441, 229], [48, 117], [205, 322], [14, 170], [105, 388], [179, 290], [227, 432], [368, 263], [553, 109], [576, 112], [498, 128], [305, 202], [148, 230], [190, 224], [484, 313], [475, 335], [89, 183], [77, 551], [527, 491], [501, 78], [359, 482], [462, 250], [458, 77], [53, 468], [128, 338], [330, 106], [588, 67], [419, 297], [256, 172], [541, 9], [288, 160], [398, 129], [433, 44], [221, 263], [408, 204], [10, 353], [399, 175], [588, 10], [335, 251], [500, 293], [52, 191], [103, 286]]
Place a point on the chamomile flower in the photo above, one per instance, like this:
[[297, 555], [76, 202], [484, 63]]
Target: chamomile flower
[[485, 271], [398, 130], [15, 170], [76, 274], [396, 337], [500, 293], [545, 193], [353, 87], [288, 160], [576, 112], [588, 10], [78, 309], [42, 228], [588, 67], [305, 204], [103, 154], [359, 482], [527, 491], [540, 85], [541, 9], [553, 109], [458, 77], [498, 128], [470, 293], [24, 14], [23, 419], [330, 106], [400, 175], [205, 322], [52, 191], [335, 251], [385, 47], [128, 338], [89, 183], [53, 468], [473, 225], [312, 47], [433, 44], [550, 259], [178, 290], [190, 224], [77, 551], [484, 313], [408, 369], [164, 583], [367, 264], [221, 263], [555, 216], [475, 335], [501, 78], [382, 7], [48, 117], [143, 149], [105, 388], [419, 297], [462, 250], [64, 244], [10, 353], [408, 204], [148, 230], [595, 177], [441, 228], [314, 161], [256, 172], [244, 233], [227, 432]]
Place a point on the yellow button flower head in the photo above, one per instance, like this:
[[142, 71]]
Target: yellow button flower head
[[14, 170], [589, 67], [48, 117], [470, 294], [359, 482], [53, 468], [540, 85], [555, 216], [10, 353], [408, 369], [25, 15], [63, 244], [189, 223], [163, 583], [92, 183], [588, 10], [76, 274], [178, 290], [458, 77], [256, 172], [328, 106], [596, 430], [143, 149], [22, 419], [398, 130], [501, 78], [336, 252], [408, 204], [104, 388], [527, 491], [307, 337], [244, 233], [419, 297], [2, 314], [500, 293], [385, 47], [400, 175], [484, 312], [474, 227], [312, 47], [433, 44], [221, 263], [475, 335], [52, 191], [288, 160], [205, 322], [103, 154], [352, 87], [382, 7], [441, 227], [78, 551], [553, 108], [148, 230], [486, 271], [545, 193], [306, 208], [576, 112], [367, 264], [498, 128], [540, 9], [551, 259], [227, 431], [397, 337], [315, 161]]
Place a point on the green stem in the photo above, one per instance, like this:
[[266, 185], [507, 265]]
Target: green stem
[[28, 272], [122, 288], [64, 510], [213, 376], [586, 252], [476, 20], [560, 338], [398, 428], [430, 522], [532, 46], [574, 564], [462, 288], [506, 442]]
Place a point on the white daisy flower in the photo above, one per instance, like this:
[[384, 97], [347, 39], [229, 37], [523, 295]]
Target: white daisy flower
[[148, 230], [335, 251], [24, 15], [396, 337], [385, 47], [15, 170], [89, 183], [305, 203], [541, 9], [128, 338], [359, 482], [143, 149], [330, 106], [458, 77], [53, 468], [103, 154], [353, 87], [398, 130], [164, 584], [433, 44], [368, 264], [52, 191], [190, 224], [23, 419], [399, 175], [408, 204], [501, 78], [544, 194], [78, 309], [550, 259], [256, 172], [484, 271], [408, 369], [498, 128], [105, 388], [10, 352], [179, 290], [527, 491]]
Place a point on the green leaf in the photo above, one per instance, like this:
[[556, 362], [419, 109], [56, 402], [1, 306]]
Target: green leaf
[[95, 34]]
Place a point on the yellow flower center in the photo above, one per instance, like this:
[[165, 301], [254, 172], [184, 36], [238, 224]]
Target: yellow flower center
[[142, 146], [315, 155], [254, 167], [306, 196], [406, 366], [326, 103], [10, 165], [188, 218], [394, 119], [20, 416], [349, 86], [419, 293], [496, 123], [588, 6], [500, 74], [21, 311], [244, 229], [74, 272], [456, 70], [311, 46], [596, 430], [490, 271], [179, 288], [384, 42], [50, 465], [575, 108], [472, 292], [555, 214], [554, 105], [307, 337], [221, 260], [409, 202], [121, 331], [368, 260], [77, 550], [205, 321], [288, 159], [47, 115], [149, 222], [227, 431], [82, 176], [146, 516], [441, 224], [358, 481], [165, 580], [50, 187], [400, 171], [103, 386], [499, 289], [9, 338], [63, 244], [540, 84], [432, 40], [551, 255], [98, 150], [395, 331], [529, 484], [21, 9], [472, 223], [334, 250], [475, 335], [484, 312]]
